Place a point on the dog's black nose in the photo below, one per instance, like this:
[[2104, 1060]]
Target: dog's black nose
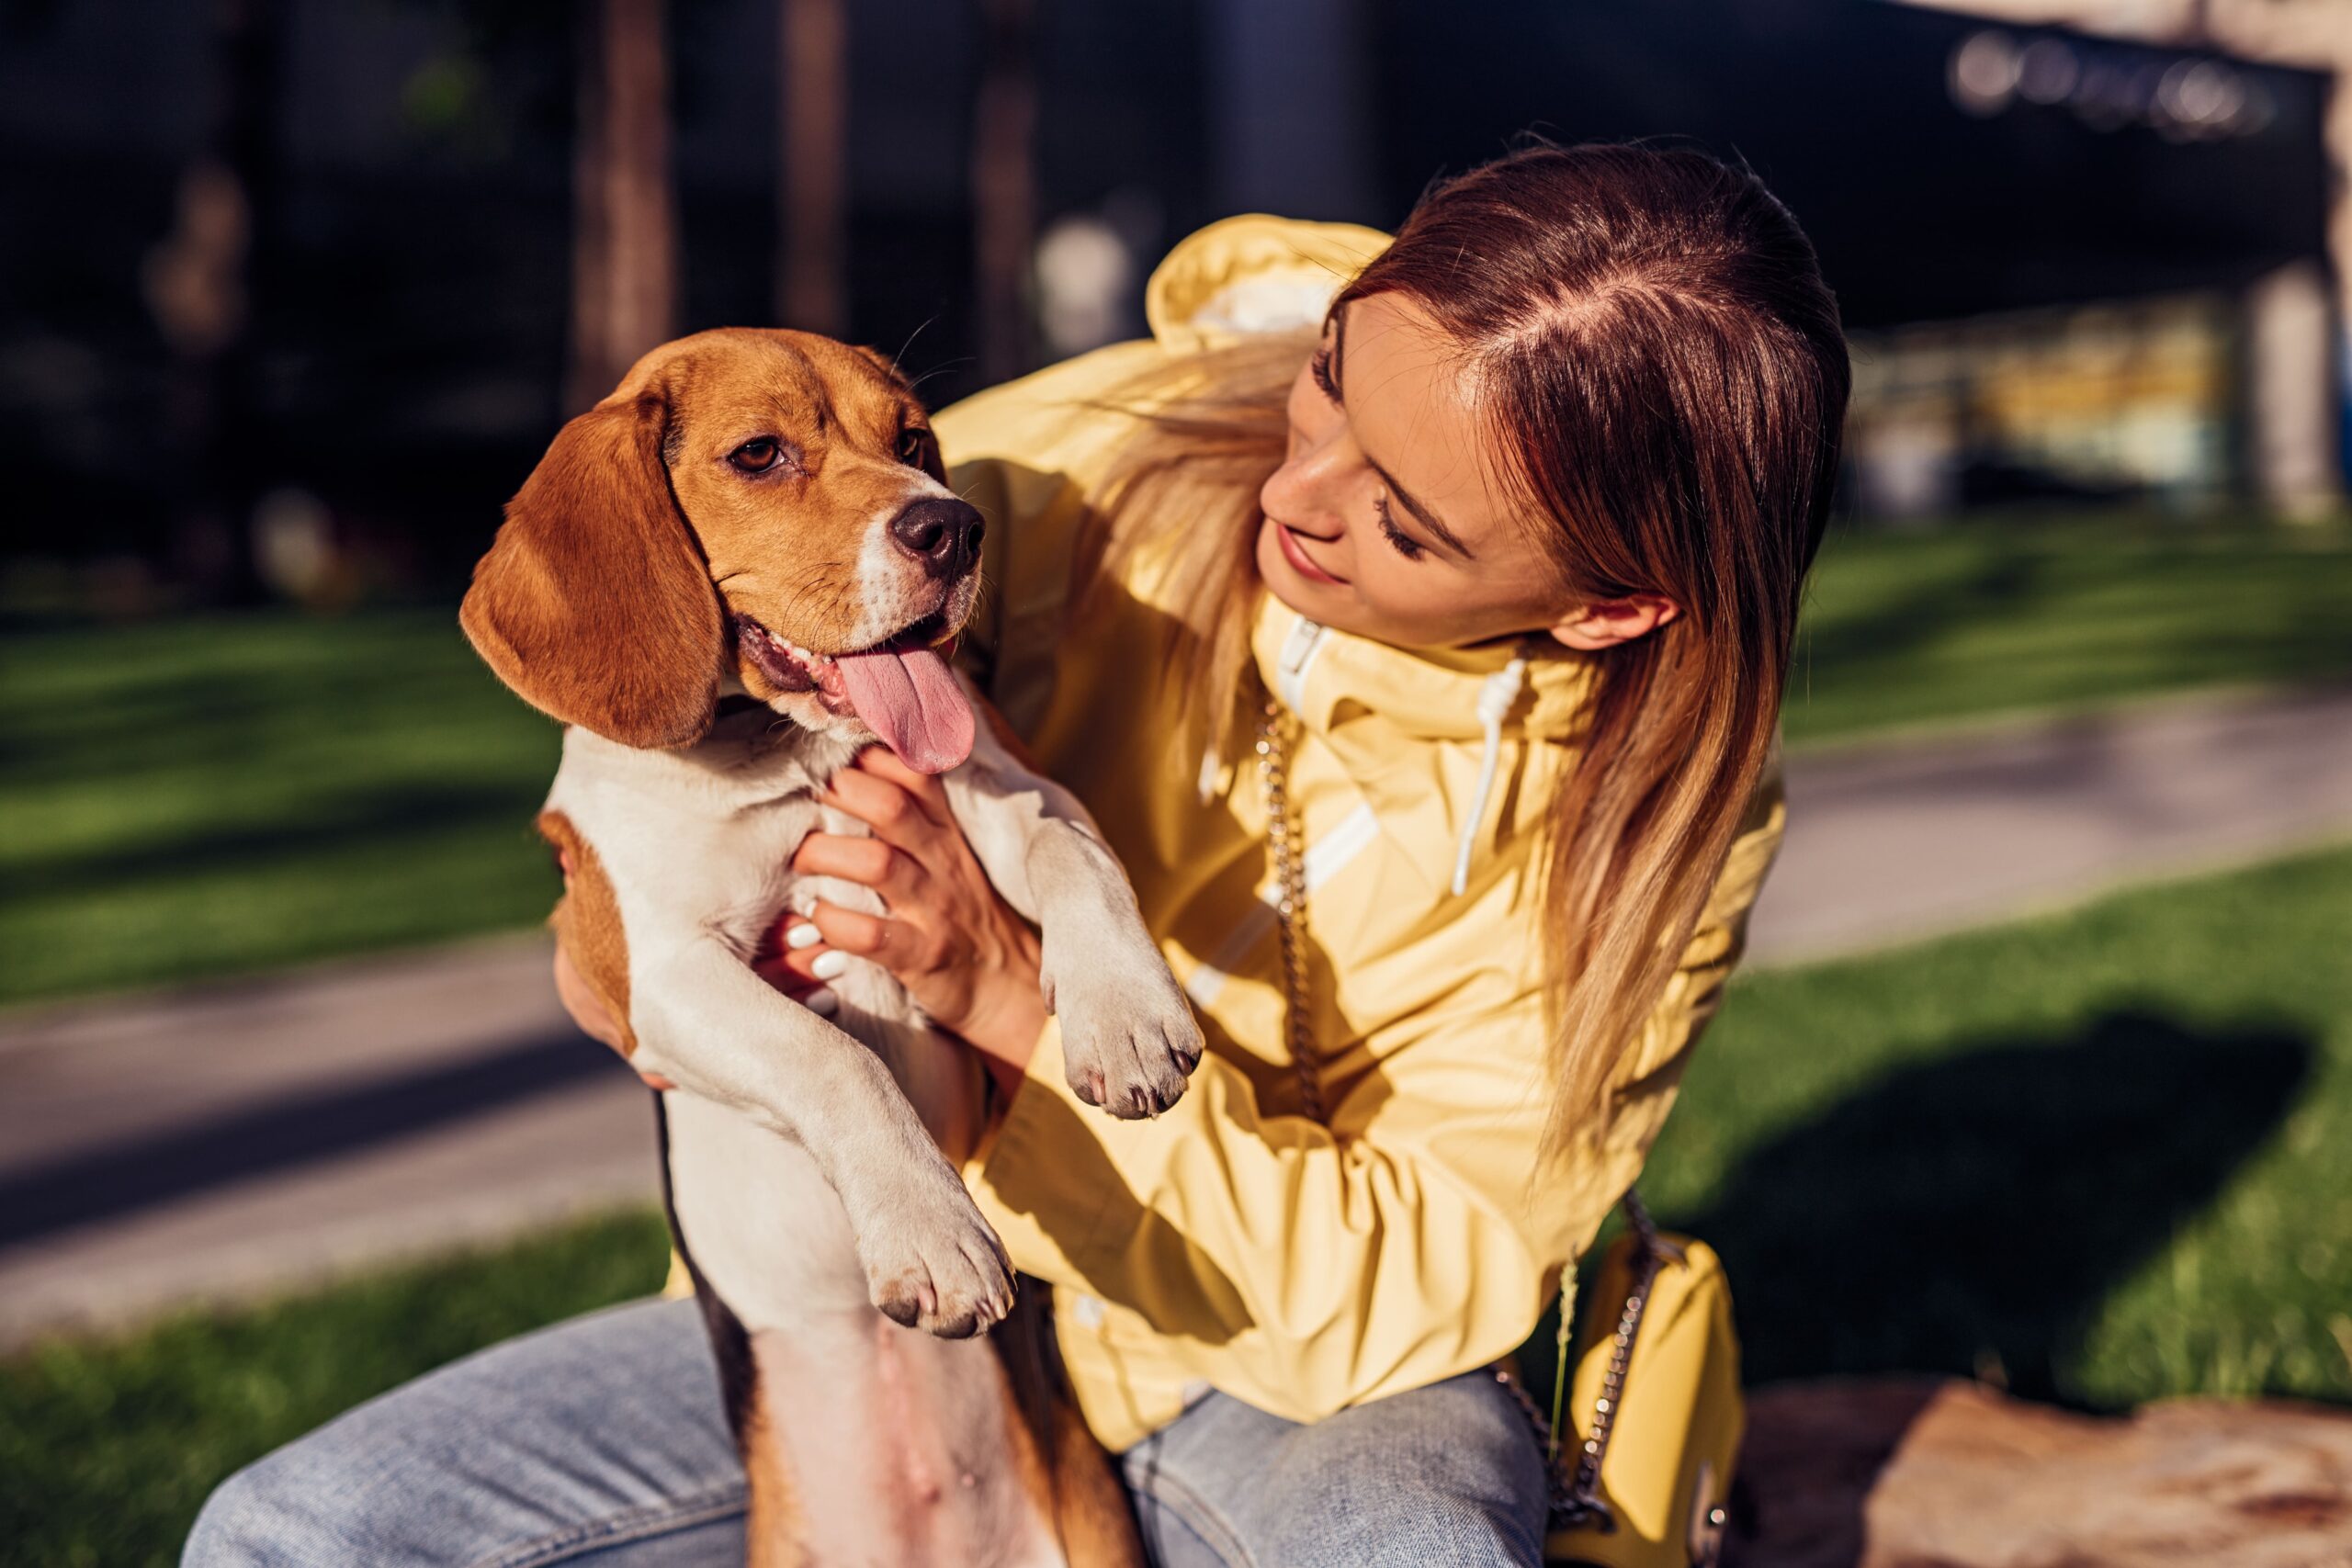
[[943, 535]]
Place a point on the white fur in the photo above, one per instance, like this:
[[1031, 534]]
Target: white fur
[[891, 588], [805, 1164], [882, 576]]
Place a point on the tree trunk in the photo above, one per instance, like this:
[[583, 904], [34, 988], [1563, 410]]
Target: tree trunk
[[200, 283], [625, 239], [812, 206], [1004, 186]]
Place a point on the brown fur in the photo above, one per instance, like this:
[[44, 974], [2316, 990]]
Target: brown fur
[[587, 923], [594, 603], [1092, 1512], [605, 599], [1062, 1468], [773, 1536]]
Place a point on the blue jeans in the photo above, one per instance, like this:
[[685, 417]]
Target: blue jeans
[[602, 1441]]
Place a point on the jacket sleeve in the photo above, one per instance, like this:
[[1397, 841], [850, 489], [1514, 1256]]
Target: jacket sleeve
[[1304, 1267]]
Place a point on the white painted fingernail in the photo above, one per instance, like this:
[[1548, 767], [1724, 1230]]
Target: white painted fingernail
[[822, 1002], [829, 965], [805, 935]]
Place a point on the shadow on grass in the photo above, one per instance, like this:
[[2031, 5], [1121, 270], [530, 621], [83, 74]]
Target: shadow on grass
[[1977, 1208], [281, 1135], [352, 816], [1907, 619]]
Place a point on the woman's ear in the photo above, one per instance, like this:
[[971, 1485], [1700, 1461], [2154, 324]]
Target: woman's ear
[[1612, 621], [594, 603]]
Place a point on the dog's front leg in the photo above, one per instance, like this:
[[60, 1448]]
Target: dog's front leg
[[707, 1023], [1129, 1039]]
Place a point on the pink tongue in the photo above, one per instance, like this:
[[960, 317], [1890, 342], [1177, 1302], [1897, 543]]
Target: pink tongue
[[912, 702]]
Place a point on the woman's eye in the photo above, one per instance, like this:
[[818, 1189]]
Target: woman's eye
[[1406, 546], [757, 457], [914, 446], [1319, 367]]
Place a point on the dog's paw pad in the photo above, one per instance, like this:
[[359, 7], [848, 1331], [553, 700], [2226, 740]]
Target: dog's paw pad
[[1137, 1064], [956, 1289]]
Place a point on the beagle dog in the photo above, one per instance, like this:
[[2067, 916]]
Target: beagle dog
[[724, 578]]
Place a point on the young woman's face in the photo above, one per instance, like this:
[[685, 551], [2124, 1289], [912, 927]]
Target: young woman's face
[[1384, 519]]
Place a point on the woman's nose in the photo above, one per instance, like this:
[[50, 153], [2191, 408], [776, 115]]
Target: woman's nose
[[1306, 491]]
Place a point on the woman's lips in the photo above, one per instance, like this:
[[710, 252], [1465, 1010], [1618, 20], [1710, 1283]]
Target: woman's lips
[[1299, 561]]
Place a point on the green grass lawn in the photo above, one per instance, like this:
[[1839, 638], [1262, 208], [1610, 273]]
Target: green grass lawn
[[1927, 629], [107, 1449], [199, 796], [2105, 1156]]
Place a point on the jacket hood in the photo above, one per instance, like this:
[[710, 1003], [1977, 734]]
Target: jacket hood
[[1432, 736], [1252, 274]]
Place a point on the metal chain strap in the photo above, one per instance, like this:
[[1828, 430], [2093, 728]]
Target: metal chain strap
[[1290, 901], [1574, 1497]]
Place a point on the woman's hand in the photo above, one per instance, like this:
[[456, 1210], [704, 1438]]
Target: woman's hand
[[947, 934]]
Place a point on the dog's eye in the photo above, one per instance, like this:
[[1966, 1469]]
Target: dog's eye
[[757, 457], [915, 447]]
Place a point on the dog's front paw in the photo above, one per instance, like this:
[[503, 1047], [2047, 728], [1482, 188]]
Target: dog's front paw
[[937, 1266], [1129, 1039]]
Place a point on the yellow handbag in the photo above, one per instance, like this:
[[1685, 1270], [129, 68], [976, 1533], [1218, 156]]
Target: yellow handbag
[[1647, 1482]]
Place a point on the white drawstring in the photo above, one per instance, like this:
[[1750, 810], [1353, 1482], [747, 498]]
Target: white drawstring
[[1501, 690]]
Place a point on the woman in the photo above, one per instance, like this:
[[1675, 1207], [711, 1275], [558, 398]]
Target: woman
[[1514, 542]]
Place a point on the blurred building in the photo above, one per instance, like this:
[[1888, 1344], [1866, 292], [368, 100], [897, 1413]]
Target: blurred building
[[2075, 266], [2095, 403], [2290, 361], [2118, 296]]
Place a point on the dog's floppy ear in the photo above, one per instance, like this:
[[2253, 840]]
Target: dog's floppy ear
[[593, 602]]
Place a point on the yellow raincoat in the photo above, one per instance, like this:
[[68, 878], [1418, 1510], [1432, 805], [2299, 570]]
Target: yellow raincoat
[[1232, 1243]]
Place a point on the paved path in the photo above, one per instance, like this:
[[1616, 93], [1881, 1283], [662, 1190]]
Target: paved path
[[217, 1143], [1891, 841], [220, 1142]]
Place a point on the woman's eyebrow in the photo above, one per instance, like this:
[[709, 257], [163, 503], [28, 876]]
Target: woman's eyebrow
[[1421, 511]]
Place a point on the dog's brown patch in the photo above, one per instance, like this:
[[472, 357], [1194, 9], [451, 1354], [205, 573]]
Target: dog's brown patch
[[1091, 1508], [776, 1532], [594, 603], [587, 921], [1065, 1474]]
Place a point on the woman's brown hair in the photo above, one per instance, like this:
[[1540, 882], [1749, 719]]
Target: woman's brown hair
[[1664, 379]]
